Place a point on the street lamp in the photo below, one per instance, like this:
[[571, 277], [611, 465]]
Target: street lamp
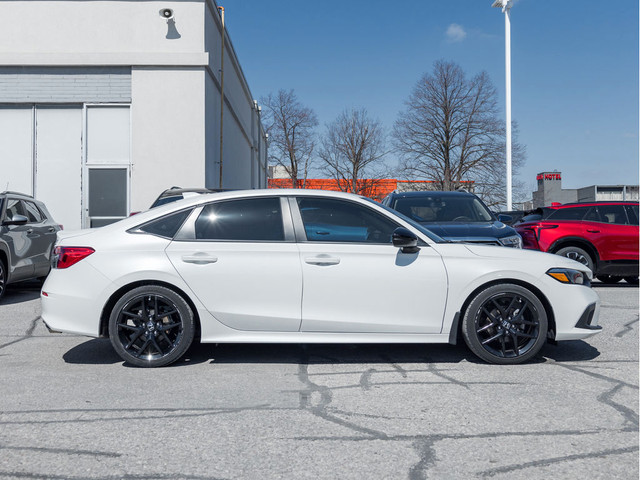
[[506, 5]]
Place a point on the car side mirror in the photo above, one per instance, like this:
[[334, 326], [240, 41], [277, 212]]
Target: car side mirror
[[17, 220], [507, 219], [405, 240]]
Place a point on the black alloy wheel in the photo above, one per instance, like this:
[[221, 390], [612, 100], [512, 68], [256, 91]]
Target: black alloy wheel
[[577, 254], [3, 279], [151, 326], [608, 278], [505, 324]]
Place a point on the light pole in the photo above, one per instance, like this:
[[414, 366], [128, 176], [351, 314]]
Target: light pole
[[506, 5]]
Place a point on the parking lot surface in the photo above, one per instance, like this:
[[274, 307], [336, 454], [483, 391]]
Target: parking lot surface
[[70, 409]]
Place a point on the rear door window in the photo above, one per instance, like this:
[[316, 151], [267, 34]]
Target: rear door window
[[613, 214], [250, 219]]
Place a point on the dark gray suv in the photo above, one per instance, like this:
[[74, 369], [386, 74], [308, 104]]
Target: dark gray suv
[[27, 235]]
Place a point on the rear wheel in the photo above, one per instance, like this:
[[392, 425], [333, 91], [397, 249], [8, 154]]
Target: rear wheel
[[151, 326], [505, 324], [577, 254], [608, 278]]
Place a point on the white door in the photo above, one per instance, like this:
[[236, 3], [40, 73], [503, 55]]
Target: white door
[[355, 280], [241, 265], [59, 163]]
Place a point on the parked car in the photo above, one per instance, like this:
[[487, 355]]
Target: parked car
[[601, 235], [455, 216], [27, 235], [231, 266]]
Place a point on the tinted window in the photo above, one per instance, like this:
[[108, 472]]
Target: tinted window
[[632, 212], [572, 213], [253, 219], [166, 226], [33, 214], [434, 208], [613, 214], [329, 220]]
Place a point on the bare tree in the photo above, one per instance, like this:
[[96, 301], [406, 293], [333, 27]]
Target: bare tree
[[450, 131], [291, 130], [352, 152]]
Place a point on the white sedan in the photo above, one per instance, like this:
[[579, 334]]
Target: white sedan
[[305, 266]]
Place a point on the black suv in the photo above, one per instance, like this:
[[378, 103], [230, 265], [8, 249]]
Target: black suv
[[455, 216], [27, 235]]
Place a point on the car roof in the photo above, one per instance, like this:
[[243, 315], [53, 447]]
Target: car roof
[[440, 193], [591, 204]]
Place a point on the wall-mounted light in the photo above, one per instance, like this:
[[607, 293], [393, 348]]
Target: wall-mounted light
[[166, 13]]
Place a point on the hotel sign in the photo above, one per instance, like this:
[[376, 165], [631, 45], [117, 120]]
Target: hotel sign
[[549, 176]]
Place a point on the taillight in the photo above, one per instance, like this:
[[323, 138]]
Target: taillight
[[64, 257]]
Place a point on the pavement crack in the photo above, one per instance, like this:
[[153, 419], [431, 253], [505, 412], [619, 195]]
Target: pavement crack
[[427, 454], [365, 379], [67, 451], [630, 417], [627, 327], [27, 334], [550, 461]]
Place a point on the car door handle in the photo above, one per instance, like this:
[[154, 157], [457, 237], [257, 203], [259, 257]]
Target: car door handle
[[322, 260], [51, 229], [591, 230], [30, 231], [199, 259]]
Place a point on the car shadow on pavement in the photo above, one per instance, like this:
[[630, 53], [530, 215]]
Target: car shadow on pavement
[[21, 292], [326, 353], [570, 351], [100, 352]]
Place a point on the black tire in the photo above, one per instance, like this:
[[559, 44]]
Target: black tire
[[631, 280], [608, 278], [577, 254], [505, 324], [151, 326], [3, 279]]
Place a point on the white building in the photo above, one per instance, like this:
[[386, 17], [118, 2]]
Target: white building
[[104, 104]]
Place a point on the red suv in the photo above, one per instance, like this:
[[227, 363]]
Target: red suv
[[601, 235]]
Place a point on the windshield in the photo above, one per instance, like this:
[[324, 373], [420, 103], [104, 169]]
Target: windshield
[[442, 209], [413, 223]]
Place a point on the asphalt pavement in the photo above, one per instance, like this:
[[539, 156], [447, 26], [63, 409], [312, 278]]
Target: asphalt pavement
[[70, 408]]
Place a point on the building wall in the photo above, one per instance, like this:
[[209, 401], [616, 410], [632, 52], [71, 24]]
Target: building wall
[[79, 55], [168, 121]]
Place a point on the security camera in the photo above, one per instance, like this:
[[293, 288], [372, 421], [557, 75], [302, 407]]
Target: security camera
[[166, 13]]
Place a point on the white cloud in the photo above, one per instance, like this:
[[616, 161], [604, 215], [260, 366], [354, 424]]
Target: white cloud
[[456, 33]]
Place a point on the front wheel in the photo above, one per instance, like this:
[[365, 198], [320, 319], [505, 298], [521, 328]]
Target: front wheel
[[505, 324], [631, 280], [3, 279], [151, 326]]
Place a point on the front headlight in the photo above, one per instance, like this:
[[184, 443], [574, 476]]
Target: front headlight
[[567, 275], [515, 241]]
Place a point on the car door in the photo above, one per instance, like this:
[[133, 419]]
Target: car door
[[613, 234], [19, 243], [355, 280], [42, 235], [240, 259]]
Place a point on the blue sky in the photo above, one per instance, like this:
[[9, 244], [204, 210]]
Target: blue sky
[[574, 68]]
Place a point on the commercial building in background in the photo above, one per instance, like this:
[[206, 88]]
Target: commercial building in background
[[105, 104], [375, 188], [550, 191]]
